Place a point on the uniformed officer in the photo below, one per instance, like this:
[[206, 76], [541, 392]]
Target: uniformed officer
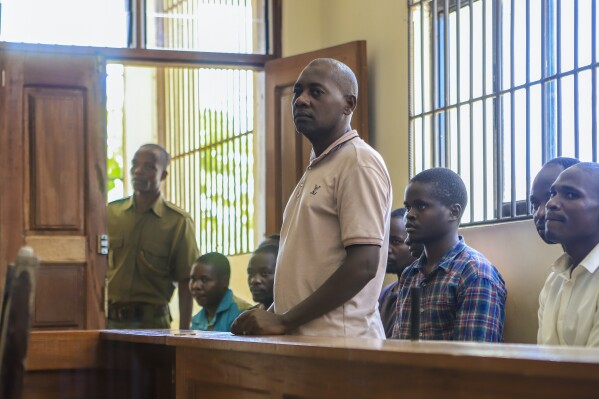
[[152, 247]]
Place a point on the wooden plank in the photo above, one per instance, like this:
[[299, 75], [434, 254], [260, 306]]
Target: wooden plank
[[64, 350], [215, 365], [137, 336], [59, 249]]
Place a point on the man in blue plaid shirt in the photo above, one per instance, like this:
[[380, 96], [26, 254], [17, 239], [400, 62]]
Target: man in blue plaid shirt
[[462, 293]]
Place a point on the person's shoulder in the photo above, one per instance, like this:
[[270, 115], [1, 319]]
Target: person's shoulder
[[175, 210], [118, 205], [408, 274], [363, 150], [362, 155], [368, 156], [119, 202], [476, 265], [388, 288], [241, 304]]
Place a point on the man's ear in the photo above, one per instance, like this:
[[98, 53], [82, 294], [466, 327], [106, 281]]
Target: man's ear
[[163, 175], [224, 281], [455, 212], [350, 104]]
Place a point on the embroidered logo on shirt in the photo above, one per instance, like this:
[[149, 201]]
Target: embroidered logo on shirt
[[316, 187]]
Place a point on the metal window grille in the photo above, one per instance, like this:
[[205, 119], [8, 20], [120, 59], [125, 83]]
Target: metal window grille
[[499, 87], [209, 132], [240, 25]]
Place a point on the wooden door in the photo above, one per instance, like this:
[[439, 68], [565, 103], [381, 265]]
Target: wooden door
[[288, 152], [52, 180]]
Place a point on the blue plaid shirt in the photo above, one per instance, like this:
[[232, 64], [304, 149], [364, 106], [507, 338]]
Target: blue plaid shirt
[[463, 298]]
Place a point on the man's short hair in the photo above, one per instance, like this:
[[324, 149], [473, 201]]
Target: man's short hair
[[165, 158], [564, 162], [268, 249], [343, 75], [398, 213], [272, 239], [219, 261], [448, 187]]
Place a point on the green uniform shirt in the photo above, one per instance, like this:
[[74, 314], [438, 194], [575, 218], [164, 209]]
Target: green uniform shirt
[[148, 252]]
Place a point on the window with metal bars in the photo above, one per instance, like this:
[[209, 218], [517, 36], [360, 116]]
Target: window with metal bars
[[209, 132], [239, 26], [209, 117], [499, 87]]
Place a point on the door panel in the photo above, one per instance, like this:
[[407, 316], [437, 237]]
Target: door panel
[[54, 121], [65, 285], [53, 161], [287, 152]]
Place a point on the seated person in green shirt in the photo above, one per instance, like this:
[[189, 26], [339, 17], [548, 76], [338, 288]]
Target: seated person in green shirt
[[209, 286]]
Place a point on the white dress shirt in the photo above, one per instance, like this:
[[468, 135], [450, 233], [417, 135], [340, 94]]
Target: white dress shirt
[[569, 303]]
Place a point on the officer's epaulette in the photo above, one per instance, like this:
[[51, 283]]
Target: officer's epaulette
[[175, 208]]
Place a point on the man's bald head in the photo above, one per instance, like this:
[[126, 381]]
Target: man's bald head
[[341, 73]]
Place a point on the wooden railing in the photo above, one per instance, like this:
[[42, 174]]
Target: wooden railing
[[185, 364]]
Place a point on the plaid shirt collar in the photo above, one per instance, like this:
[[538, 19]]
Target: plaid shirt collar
[[446, 260]]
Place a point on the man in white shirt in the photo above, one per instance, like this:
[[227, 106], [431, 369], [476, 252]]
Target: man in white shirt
[[569, 301]]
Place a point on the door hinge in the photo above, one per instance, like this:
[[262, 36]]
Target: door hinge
[[3, 78]]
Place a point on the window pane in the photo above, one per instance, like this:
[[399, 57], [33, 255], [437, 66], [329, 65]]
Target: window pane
[[536, 39], [454, 146], [488, 6], [520, 46], [477, 50], [505, 71], [417, 61], [227, 26], [115, 92], [477, 188], [490, 189], [204, 117], [455, 47], [567, 117], [567, 34], [585, 103], [520, 149], [464, 61], [536, 129], [585, 32], [210, 130], [67, 22], [506, 137]]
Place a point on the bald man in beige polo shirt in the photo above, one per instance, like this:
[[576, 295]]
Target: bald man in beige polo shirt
[[334, 238]]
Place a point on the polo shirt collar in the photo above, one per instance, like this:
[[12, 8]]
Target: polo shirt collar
[[226, 302], [447, 258], [157, 207], [333, 147]]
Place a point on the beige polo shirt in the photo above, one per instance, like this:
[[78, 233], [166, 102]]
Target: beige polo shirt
[[343, 199]]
